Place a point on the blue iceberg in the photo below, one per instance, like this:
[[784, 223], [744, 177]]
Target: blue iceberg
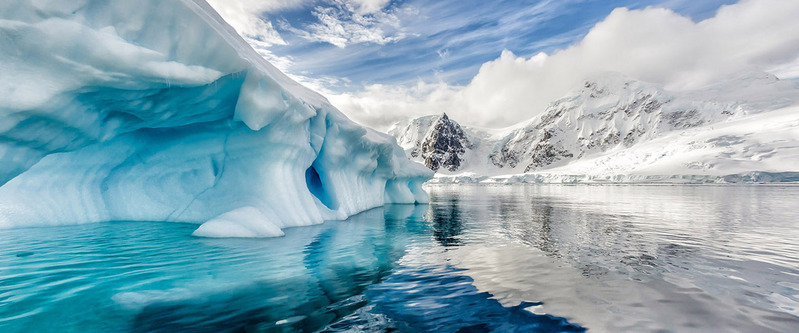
[[158, 111]]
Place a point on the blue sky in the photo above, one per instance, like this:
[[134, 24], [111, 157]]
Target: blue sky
[[495, 63], [447, 40]]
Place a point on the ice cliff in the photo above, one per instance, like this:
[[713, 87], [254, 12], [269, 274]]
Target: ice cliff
[[157, 110]]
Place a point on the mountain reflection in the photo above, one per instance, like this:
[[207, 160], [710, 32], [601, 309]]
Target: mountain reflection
[[687, 252], [447, 221]]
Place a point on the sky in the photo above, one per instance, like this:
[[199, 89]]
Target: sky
[[497, 63]]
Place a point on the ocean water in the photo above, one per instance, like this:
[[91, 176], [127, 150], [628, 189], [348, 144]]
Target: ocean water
[[524, 258]]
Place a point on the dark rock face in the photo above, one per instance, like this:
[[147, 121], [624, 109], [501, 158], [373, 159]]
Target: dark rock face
[[445, 145], [505, 156]]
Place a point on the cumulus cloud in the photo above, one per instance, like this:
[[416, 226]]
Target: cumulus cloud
[[379, 106], [654, 45]]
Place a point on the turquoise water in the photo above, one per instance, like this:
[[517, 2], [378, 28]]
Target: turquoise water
[[477, 259]]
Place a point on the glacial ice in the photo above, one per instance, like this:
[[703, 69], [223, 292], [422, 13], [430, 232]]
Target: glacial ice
[[158, 111], [244, 222]]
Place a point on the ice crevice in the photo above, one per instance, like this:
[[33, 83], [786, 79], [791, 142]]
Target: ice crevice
[[204, 131]]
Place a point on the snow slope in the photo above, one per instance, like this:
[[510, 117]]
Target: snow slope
[[157, 110], [613, 128]]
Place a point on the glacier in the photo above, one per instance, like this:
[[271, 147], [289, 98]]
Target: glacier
[[158, 111], [616, 129]]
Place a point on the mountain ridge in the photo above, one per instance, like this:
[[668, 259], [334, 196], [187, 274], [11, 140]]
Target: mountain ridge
[[609, 114]]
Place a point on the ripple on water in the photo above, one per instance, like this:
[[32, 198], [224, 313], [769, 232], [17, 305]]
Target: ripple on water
[[478, 258]]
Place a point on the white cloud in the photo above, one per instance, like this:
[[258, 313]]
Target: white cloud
[[247, 17], [354, 21], [369, 6], [654, 45], [340, 22], [379, 105]]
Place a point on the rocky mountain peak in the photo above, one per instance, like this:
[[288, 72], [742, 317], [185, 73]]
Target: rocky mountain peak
[[444, 145]]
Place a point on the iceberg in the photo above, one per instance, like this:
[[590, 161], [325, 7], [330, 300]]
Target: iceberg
[[158, 111]]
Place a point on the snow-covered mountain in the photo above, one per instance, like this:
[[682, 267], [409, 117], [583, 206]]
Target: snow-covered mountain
[[437, 141], [608, 127], [158, 110]]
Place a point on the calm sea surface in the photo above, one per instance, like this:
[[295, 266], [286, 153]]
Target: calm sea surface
[[523, 258]]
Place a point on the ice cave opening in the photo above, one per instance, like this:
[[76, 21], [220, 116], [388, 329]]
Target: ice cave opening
[[317, 188]]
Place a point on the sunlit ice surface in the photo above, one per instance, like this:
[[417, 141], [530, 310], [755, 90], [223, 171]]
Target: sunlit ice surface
[[476, 259]]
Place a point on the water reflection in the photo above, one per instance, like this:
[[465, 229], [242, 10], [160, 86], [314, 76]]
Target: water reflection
[[333, 268], [478, 258], [447, 220], [705, 257], [340, 276], [336, 266], [444, 299]]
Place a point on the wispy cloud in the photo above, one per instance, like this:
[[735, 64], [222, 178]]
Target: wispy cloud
[[345, 22], [248, 17]]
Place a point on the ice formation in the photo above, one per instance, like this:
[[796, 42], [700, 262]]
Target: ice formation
[[158, 111]]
